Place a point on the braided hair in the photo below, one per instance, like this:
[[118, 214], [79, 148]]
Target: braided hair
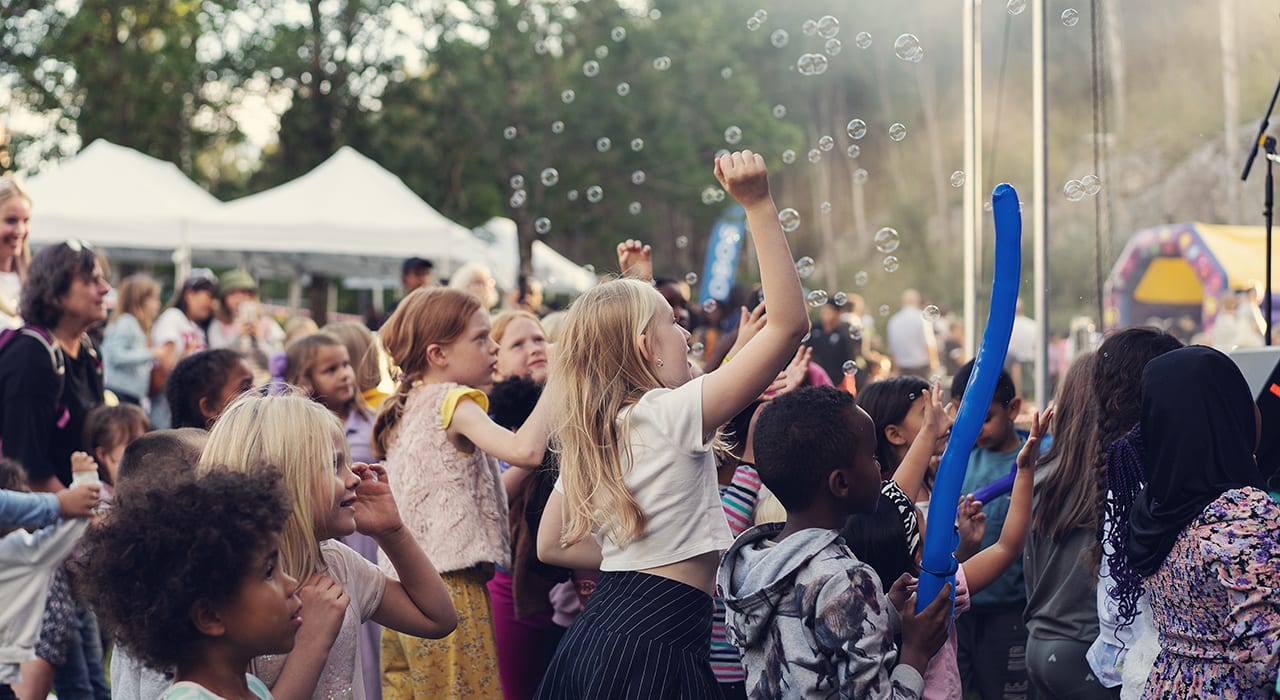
[[1125, 478]]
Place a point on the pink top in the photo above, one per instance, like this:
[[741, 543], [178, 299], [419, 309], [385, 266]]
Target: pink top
[[942, 675]]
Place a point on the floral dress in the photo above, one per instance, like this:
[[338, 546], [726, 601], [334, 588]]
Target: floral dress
[[1216, 603]]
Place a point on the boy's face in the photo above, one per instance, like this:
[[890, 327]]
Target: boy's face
[[264, 615], [998, 433], [864, 473]]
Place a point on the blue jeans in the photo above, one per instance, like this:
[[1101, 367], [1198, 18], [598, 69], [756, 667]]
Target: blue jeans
[[82, 676]]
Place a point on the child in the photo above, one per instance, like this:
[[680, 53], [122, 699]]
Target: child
[[319, 365], [900, 408], [366, 358], [1203, 537], [126, 348], [992, 636], [179, 332], [28, 560], [331, 499], [187, 577], [203, 384], [108, 430], [522, 346], [809, 618], [637, 494]]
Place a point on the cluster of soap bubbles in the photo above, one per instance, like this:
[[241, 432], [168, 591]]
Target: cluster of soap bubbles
[[887, 241], [907, 47], [756, 20], [811, 64], [1087, 186], [712, 195]]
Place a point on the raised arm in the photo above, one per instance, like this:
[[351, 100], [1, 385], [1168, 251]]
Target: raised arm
[[909, 475], [523, 448], [732, 386]]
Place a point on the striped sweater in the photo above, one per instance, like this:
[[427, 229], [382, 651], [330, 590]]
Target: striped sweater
[[739, 499]]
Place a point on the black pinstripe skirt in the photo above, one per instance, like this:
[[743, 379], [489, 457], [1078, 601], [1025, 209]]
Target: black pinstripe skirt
[[641, 636]]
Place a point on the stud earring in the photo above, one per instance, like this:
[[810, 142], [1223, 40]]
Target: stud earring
[[659, 361]]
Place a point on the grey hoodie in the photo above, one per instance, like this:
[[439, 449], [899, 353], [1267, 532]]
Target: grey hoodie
[[810, 619]]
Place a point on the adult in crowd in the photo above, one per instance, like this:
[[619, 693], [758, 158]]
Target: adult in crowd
[[240, 324], [415, 273], [128, 357], [477, 280], [1023, 345], [15, 253], [831, 341], [527, 296], [912, 344], [178, 333]]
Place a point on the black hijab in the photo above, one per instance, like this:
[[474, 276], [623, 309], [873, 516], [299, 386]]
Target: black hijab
[[1198, 434]]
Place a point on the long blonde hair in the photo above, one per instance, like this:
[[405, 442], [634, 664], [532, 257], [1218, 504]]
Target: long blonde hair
[[295, 435], [600, 371], [427, 316], [10, 188], [132, 295]]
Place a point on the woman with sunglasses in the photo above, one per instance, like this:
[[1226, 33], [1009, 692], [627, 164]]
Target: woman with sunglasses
[[179, 332], [15, 253]]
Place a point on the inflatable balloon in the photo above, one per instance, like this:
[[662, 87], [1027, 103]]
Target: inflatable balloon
[[938, 561]]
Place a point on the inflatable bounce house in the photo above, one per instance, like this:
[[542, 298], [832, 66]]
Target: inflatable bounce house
[[1177, 270]]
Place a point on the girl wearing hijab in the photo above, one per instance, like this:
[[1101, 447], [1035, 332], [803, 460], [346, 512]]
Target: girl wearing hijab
[[1203, 537]]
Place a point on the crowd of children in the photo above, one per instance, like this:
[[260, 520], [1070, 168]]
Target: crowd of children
[[467, 506]]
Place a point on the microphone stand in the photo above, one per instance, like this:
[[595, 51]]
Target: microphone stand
[[1268, 145]]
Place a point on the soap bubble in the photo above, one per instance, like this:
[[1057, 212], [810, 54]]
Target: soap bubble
[[542, 225], [518, 198], [1091, 184], [815, 155], [828, 27], [557, 127], [986, 206], [863, 40], [825, 207], [549, 177], [726, 72], [595, 193], [710, 306], [931, 313], [571, 195], [540, 47], [638, 177], [708, 195], [811, 64], [634, 208], [839, 298], [780, 111], [887, 240], [637, 145], [662, 63], [682, 242], [602, 52], [917, 56], [568, 96], [509, 133], [854, 150], [753, 23], [856, 129], [788, 156], [779, 38], [833, 47], [516, 181], [817, 297], [855, 329], [810, 27], [1016, 7], [655, 14], [805, 267], [884, 309], [860, 176], [1070, 17], [789, 219], [861, 278], [891, 263], [826, 143], [897, 131], [733, 135], [591, 69], [618, 33], [761, 15], [1073, 190], [906, 46], [850, 368], [696, 349], [624, 89], [603, 144], [957, 179]]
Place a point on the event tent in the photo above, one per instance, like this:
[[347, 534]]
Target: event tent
[[557, 273], [1183, 270]]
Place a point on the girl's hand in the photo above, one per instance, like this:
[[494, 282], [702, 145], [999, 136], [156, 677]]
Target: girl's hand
[[1030, 453], [937, 420], [744, 176], [376, 513], [324, 603], [635, 259], [794, 375], [901, 590], [972, 524], [749, 324], [79, 501]]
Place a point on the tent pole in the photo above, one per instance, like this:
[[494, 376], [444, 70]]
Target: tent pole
[[1040, 199], [971, 60]]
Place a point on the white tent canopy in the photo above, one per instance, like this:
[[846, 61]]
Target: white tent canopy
[[556, 272]]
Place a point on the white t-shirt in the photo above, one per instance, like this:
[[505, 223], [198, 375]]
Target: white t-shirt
[[672, 475], [10, 290], [173, 326], [364, 583]]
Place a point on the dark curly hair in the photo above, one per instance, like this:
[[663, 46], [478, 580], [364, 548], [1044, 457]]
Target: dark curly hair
[[196, 377], [161, 551], [800, 438], [49, 278], [512, 400]]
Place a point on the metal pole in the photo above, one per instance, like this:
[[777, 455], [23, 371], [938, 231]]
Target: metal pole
[[1040, 199], [972, 63]]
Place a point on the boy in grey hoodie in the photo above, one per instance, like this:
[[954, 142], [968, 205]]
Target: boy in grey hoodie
[[810, 619]]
